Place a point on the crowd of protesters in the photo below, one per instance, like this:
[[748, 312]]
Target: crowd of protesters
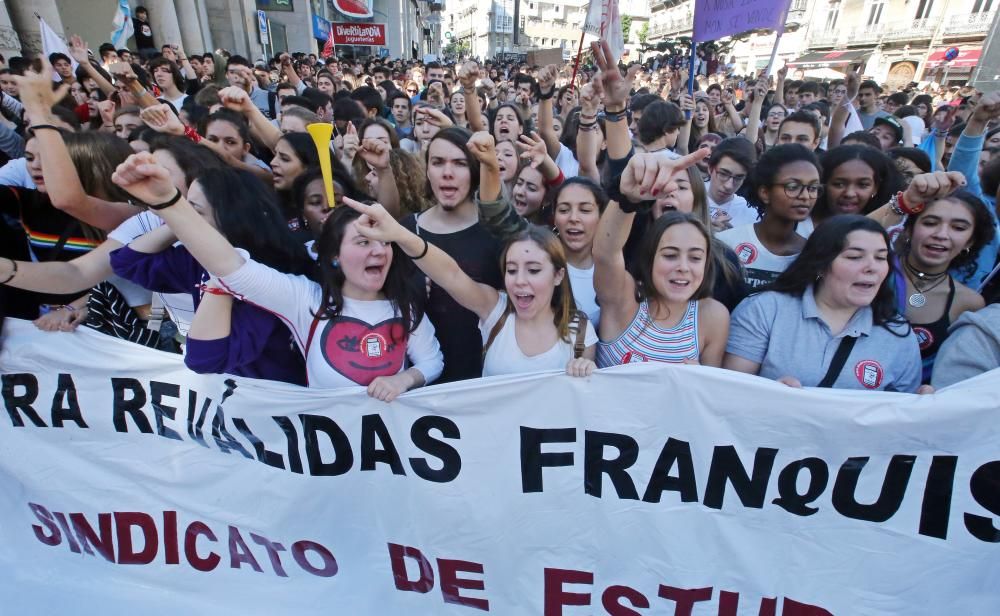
[[498, 219]]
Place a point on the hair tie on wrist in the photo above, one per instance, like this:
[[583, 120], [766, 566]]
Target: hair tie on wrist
[[12, 273], [423, 254], [37, 127], [166, 204]]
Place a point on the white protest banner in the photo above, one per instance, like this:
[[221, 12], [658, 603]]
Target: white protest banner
[[604, 22], [129, 485], [714, 19]]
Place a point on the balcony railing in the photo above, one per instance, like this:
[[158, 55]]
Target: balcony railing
[[976, 23], [824, 38], [916, 29]]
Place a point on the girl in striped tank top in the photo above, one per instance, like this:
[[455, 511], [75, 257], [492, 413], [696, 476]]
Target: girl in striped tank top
[[666, 313]]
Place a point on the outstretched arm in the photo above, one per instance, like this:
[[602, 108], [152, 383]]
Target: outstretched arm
[[61, 179], [378, 225]]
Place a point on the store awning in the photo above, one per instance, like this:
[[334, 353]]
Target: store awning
[[967, 58], [828, 59]]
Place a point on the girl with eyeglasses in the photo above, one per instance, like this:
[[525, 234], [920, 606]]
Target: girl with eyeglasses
[[787, 183]]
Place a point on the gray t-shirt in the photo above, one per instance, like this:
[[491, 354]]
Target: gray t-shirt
[[868, 119], [787, 336], [971, 348]]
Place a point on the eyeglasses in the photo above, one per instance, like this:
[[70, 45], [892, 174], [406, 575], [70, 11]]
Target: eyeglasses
[[796, 189], [727, 177], [776, 114]]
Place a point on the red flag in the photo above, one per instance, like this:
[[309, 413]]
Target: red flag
[[328, 49]]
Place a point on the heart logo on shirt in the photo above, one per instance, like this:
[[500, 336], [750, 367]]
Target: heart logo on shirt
[[361, 351]]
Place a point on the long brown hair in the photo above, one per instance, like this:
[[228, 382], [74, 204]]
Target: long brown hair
[[95, 157], [644, 288], [562, 303]]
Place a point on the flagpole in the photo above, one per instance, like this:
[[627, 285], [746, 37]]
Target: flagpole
[[694, 50], [576, 65], [777, 40]]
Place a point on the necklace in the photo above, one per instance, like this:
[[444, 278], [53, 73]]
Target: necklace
[[918, 299]]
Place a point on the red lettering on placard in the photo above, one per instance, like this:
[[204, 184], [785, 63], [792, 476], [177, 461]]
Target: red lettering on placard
[[611, 600], [124, 522], [397, 554], [451, 584], [685, 597], [208, 563], [556, 597]]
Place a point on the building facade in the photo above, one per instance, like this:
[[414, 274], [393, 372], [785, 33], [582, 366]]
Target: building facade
[[892, 41], [906, 39], [206, 25], [486, 27]]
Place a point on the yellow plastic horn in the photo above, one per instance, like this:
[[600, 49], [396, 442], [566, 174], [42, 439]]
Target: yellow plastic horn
[[321, 134]]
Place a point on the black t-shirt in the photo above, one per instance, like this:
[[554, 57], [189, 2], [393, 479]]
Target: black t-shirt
[[143, 34], [477, 253], [32, 229]]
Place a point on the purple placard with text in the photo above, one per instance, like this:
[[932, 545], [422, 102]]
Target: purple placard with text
[[714, 19]]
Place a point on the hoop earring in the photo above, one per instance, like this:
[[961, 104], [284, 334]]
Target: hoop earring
[[335, 262]]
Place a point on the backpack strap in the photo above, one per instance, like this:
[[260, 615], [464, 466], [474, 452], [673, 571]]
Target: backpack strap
[[579, 324], [309, 338], [496, 328], [839, 359]]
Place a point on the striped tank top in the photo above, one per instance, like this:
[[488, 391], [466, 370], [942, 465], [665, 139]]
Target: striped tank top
[[643, 340]]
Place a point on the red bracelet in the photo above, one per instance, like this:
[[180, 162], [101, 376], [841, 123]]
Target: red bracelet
[[192, 134], [556, 181], [213, 290], [910, 210]]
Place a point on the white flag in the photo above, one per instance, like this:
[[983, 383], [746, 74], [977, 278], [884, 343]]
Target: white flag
[[123, 25], [52, 43], [604, 22]]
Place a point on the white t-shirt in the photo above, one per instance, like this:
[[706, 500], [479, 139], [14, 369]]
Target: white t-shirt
[[506, 357], [567, 163], [582, 281], [176, 102], [180, 306], [250, 159], [365, 342], [805, 228], [761, 265], [741, 212], [15, 173]]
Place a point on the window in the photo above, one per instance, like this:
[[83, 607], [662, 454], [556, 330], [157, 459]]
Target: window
[[832, 13], [982, 6], [924, 9], [875, 11]]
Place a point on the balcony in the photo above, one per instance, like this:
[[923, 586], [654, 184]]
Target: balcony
[[909, 31], [863, 35], [916, 30], [824, 38], [965, 25]]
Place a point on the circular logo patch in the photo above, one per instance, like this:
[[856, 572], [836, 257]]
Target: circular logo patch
[[869, 373], [746, 252], [924, 337]]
